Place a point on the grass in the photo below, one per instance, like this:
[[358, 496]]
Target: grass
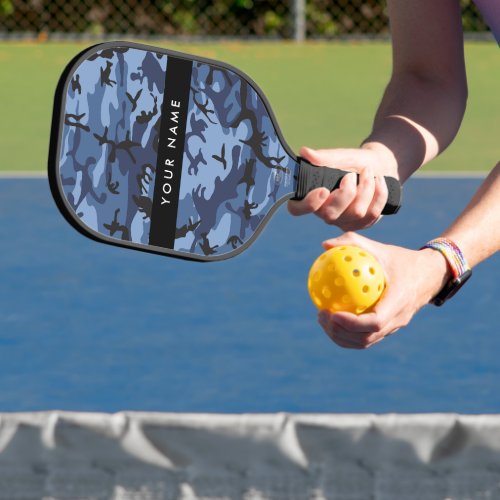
[[323, 94]]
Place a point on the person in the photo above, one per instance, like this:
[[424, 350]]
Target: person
[[418, 117]]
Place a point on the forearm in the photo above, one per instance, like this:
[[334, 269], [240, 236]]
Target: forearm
[[416, 120], [477, 230], [424, 103]]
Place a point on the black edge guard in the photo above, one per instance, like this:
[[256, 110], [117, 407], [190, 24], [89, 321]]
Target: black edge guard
[[311, 177]]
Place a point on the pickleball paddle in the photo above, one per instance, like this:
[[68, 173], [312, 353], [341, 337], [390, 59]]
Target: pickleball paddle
[[171, 153]]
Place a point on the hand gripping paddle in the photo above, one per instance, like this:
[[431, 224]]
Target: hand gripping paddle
[[171, 153]]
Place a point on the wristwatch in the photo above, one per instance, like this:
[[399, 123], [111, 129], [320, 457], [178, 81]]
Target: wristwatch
[[460, 270]]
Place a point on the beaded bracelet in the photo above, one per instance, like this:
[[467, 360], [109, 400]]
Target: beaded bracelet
[[452, 254], [460, 269]]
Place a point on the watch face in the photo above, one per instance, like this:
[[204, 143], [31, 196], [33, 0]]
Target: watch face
[[451, 288]]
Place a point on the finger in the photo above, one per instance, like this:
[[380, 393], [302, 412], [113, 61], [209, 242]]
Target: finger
[[376, 338], [366, 208], [372, 343], [348, 338], [362, 340], [338, 157], [312, 156], [353, 341], [365, 191], [382, 320], [338, 201], [311, 203], [348, 238], [357, 224], [355, 160], [339, 339], [393, 332], [338, 334], [324, 318], [362, 324], [380, 196]]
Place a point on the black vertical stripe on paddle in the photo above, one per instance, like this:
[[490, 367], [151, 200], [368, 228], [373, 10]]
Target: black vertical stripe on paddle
[[170, 152]]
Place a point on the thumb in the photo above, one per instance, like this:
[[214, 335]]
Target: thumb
[[349, 238], [339, 157]]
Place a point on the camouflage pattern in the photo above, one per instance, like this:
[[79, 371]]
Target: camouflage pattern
[[234, 167], [109, 139]]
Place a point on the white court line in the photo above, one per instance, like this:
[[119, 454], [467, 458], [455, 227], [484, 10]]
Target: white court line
[[454, 174]]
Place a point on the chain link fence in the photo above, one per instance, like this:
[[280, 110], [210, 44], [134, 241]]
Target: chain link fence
[[203, 19]]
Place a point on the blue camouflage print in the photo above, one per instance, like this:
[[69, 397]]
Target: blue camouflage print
[[109, 141], [234, 168]]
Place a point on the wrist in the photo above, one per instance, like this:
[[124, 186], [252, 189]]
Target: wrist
[[386, 157], [437, 272]]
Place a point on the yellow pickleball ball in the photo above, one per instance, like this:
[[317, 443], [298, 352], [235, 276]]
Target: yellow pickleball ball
[[346, 278]]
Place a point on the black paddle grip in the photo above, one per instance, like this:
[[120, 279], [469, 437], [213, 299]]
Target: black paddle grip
[[311, 177]]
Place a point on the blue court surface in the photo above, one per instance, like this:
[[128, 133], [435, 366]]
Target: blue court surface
[[91, 327]]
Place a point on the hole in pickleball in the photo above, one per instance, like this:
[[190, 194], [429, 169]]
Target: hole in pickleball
[[317, 276], [346, 299], [327, 293], [317, 300], [359, 310], [372, 270], [356, 273], [339, 281], [348, 258], [379, 288], [362, 254], [366, 289]]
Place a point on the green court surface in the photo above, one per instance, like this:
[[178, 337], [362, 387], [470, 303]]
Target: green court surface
[[323, 94]]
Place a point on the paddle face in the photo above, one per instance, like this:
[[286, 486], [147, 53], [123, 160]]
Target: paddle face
[[165, 152]]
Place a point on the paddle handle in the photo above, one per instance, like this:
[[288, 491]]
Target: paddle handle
[[311, 177]]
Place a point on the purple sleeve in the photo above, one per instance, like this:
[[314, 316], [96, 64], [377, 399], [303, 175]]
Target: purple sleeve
[[490, 9]]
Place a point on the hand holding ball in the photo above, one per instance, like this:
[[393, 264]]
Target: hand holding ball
[[346, 278]]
